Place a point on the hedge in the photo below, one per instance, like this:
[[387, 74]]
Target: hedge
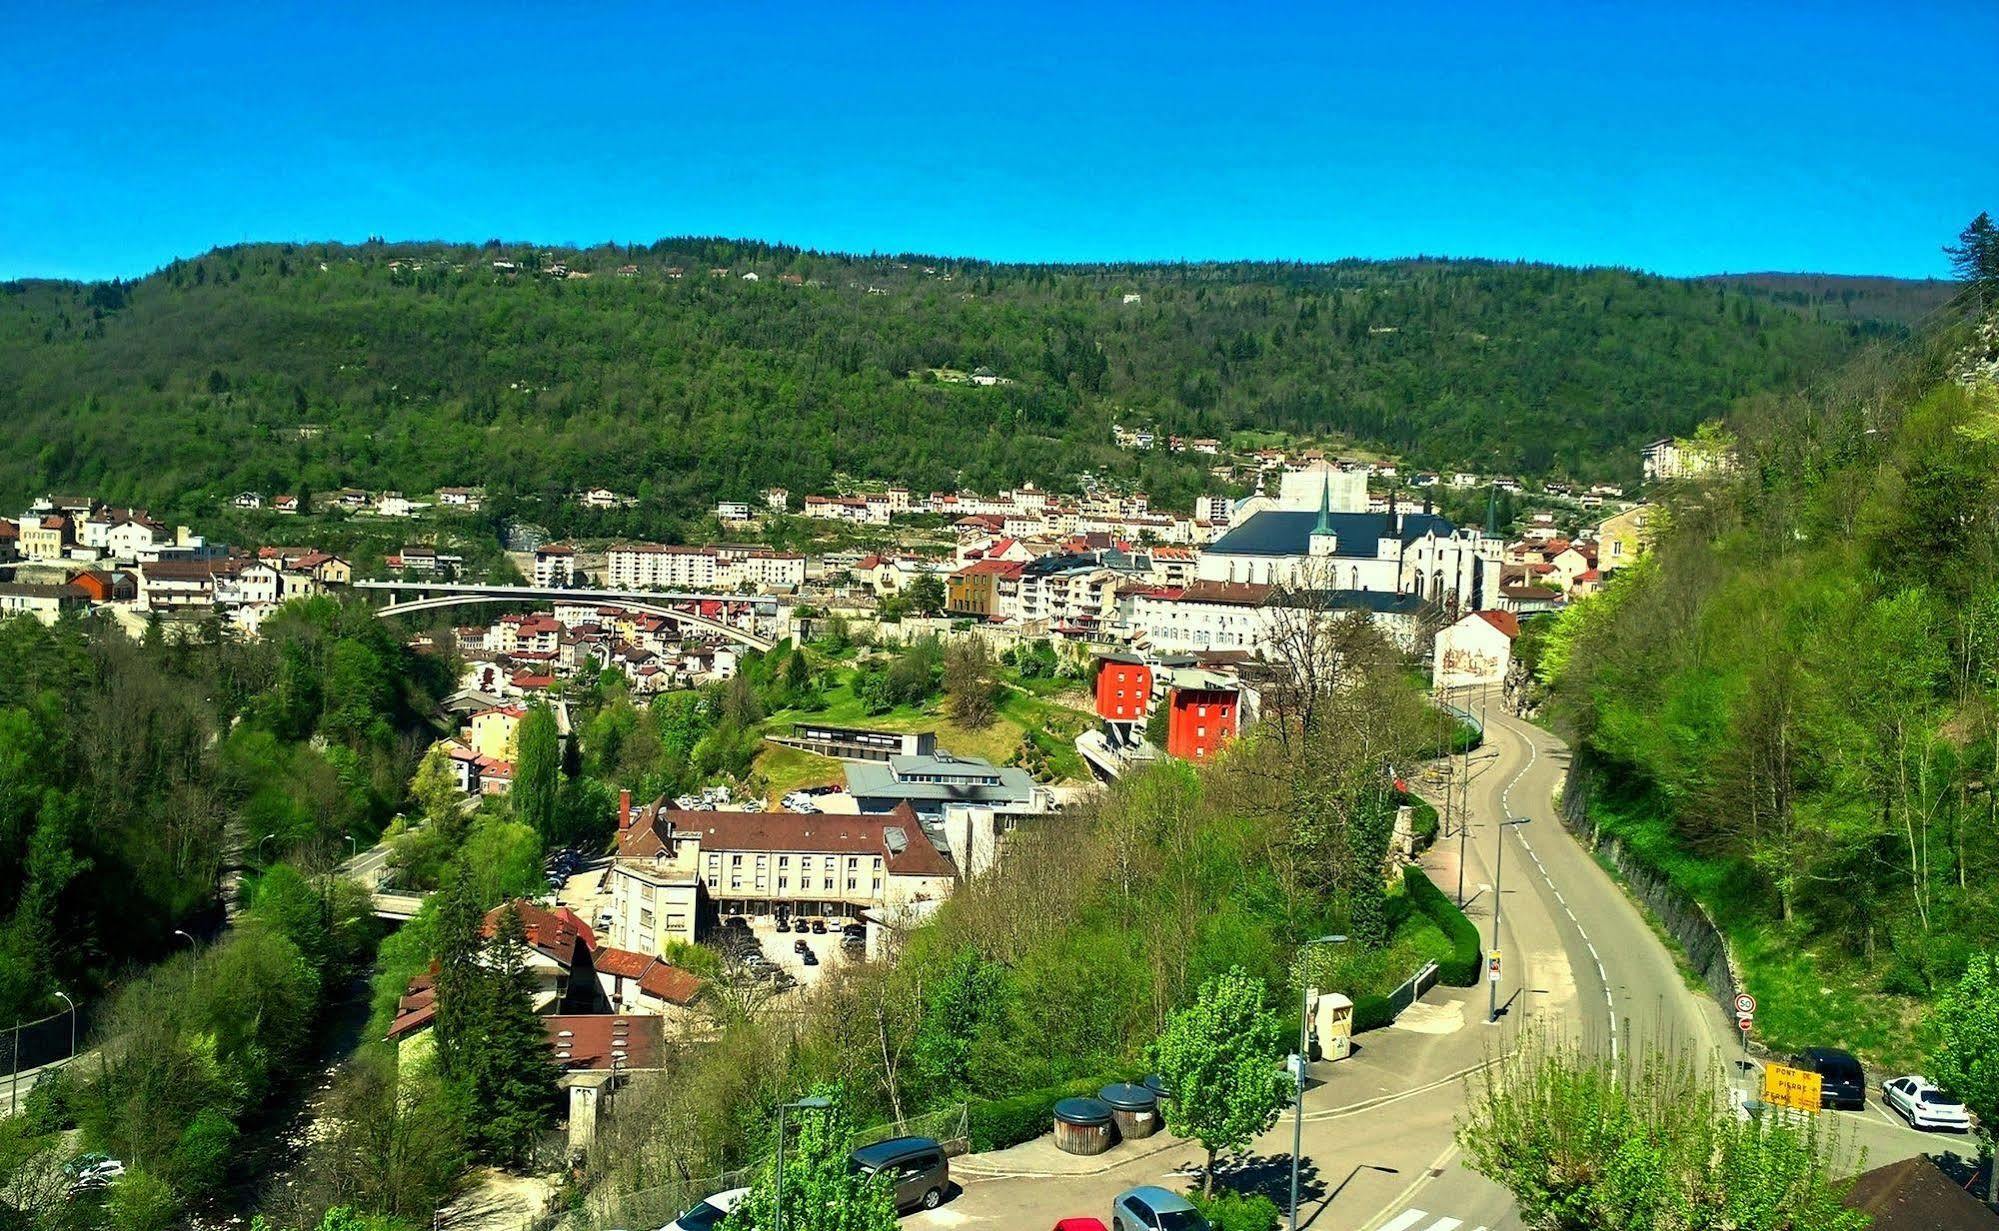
[[994, 1124], [1461, 969], [1231, 1211], [1423, 819]]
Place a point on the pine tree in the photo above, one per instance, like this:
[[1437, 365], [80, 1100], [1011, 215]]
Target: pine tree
[[513, 1078], [1975, 258], [461, 981]]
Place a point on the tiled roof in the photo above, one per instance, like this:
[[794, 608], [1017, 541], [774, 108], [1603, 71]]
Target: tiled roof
[[810, 832], [605, 1040], [555, 934], [1505, 621]]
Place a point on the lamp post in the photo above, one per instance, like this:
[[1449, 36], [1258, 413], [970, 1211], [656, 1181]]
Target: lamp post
[[1492, 951], [1304, 1055], [188, 936], [72, 1021], [812, 1103]]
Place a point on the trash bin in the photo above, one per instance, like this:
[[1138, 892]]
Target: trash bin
[[1083, 1126], [1134, 1109]]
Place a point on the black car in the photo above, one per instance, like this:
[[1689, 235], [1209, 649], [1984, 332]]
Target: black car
[[1842, 1084], [799, 946], [811, 958], [783, 924], [818, 927]]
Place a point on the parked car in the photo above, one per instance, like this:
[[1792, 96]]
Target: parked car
[[810, 958], [1152, 1208], [818, 927], [799, 946], [783, 924], [1842, 1083], [915, 1167], [1925, 1106], [855, 943], [707, 1213]]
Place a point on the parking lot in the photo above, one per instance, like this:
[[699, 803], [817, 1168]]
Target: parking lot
[[781, 949]]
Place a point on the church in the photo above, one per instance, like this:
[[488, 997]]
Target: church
[[1419, 554]]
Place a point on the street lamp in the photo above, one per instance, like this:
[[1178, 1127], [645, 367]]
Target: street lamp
[[1492, 952], [188, 936], [1304, 1055], [812, 1103], [1464, 814], [72, 1021]]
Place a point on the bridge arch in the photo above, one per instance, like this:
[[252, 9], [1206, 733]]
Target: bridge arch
[[685, 619]]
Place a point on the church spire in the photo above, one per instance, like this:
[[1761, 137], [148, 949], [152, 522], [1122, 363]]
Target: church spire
[[1324, 525]]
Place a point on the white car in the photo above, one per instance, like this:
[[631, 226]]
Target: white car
[[707, 1213], [1925, 1106]]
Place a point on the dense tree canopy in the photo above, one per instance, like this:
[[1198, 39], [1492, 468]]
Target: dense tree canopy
[[306, 367]]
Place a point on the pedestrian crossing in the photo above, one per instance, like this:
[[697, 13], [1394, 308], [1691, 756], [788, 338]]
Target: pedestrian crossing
[[1412, 1220]]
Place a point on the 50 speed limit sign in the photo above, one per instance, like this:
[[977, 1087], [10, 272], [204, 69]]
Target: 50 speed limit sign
[[1745, 1005]]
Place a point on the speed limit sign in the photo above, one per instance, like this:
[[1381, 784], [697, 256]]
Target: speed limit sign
[[1745, 1005]]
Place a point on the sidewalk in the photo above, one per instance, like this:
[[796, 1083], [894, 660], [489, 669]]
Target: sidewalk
[[1437, 1041]]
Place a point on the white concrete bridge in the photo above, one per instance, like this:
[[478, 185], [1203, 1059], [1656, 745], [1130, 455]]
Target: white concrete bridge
[[433, 595]]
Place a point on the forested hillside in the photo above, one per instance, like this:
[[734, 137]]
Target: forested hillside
[[280, 367], [1791, 706]]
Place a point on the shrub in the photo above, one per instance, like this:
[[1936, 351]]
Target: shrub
[[1227, 1211], [994, 1124], [1461, 969], [1423, 819], [1372, 1013]]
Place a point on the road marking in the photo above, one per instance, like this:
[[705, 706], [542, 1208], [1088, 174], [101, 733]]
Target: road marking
[[1407, 1220], [1506, 798]]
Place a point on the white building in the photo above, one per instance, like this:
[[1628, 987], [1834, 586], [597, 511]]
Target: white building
[[1475, 651], [1419, 554], [554, 565]]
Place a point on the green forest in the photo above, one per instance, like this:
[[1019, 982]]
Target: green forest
[[409, 366], [1791, 707]]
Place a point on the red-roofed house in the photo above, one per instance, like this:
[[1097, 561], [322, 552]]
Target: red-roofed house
[[642, 983], [672, 865], [561, 952], [1476, 651]]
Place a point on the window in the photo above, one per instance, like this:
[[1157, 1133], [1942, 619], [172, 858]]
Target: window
[[852, 884], [735, 861], [829, 883]]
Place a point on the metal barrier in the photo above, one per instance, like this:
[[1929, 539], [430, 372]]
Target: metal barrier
[[1412, 989]]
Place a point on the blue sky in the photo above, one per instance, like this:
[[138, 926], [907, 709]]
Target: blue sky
[[1678, 137]]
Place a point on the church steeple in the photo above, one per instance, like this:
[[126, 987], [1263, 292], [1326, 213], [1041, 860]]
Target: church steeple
[[1323, 541]]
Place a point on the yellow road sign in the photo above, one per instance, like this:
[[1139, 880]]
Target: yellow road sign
[[1797, 1089]]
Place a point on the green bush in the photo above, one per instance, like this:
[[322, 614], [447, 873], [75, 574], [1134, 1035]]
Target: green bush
[[1461, 969], [1372, 1013], [1423, 819], [1227, 1211], [994, 1124]]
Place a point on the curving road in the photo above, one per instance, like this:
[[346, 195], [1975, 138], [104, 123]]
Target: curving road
[[1580, 961]]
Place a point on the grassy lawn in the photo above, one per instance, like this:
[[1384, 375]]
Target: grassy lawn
[[1052, 720]]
